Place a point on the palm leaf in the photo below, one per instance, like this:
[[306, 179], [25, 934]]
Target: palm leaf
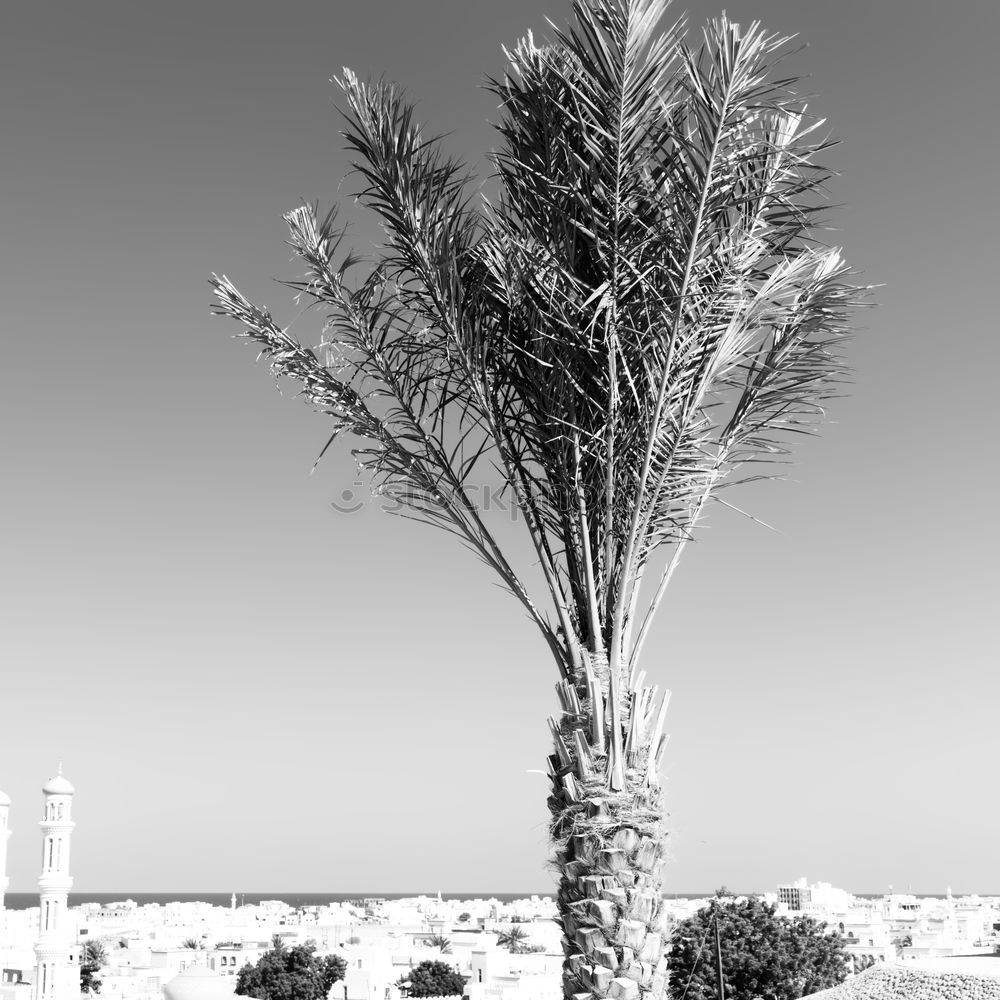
[[642, 316]]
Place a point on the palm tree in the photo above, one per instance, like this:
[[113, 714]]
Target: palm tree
[[635, 323], [901, 942], [514, 938], [440, 942], [92, 959]]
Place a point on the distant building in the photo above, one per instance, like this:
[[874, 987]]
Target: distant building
[[796, 896], [818, 897], [228, 959], [170, 962]]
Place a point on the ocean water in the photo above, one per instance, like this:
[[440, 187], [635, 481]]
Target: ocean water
[[26, 900]]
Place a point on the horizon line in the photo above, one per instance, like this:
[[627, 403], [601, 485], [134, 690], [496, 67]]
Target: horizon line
[[446, 892]]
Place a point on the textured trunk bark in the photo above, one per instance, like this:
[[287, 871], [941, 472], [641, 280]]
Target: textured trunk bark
[[608, 833]]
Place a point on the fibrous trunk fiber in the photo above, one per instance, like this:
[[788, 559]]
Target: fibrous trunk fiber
[[608, 832]]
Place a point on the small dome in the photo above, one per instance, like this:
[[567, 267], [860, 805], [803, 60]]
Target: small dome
[[4, 799], [58, 786], [199, 983]]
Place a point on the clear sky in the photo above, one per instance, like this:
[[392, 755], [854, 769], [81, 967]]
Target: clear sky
[[254, 692]]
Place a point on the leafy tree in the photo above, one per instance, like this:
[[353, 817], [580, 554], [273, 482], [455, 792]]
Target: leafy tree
[[193, 943], [333, 968], [764, 956], [92, 960], [296, 973], [464, 918], [433, 979], [644, 315]]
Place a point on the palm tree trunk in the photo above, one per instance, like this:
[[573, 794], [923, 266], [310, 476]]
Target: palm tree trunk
[[609, 838]]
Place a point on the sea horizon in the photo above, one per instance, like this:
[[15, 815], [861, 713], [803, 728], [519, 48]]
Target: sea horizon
[[28, 900]]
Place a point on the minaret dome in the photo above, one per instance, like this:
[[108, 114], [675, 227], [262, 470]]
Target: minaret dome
[[58, 786]]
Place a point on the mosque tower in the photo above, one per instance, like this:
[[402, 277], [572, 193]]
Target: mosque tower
[[4, 837], [57, 972]]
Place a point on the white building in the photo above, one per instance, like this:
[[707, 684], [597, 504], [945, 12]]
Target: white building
[[12, 986], [228, 959], [818, 897], [371, 975], [198, 983], [497, 974]]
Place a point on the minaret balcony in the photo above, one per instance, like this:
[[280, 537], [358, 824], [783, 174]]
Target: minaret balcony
[[51, 950], [52, 882], [57, 825]]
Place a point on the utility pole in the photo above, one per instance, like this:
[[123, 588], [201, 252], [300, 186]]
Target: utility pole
[[718, 959]]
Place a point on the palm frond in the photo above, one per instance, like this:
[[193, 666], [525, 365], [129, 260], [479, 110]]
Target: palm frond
[[644, 315]]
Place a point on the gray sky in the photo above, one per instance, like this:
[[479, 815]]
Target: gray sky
[[253, 692]]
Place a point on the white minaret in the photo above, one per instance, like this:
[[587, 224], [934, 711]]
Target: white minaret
[[57, 972], [4, 837]]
